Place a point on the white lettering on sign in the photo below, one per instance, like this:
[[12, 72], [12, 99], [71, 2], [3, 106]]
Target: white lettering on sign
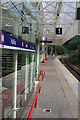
[[32, 47], [26, 45], [59, 30], [13, 41]]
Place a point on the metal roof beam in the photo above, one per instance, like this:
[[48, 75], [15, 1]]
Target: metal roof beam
[[70, 6], [70, 16], [72, 31], [47, 6], [14, 7]]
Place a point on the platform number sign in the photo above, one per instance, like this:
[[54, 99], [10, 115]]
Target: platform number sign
[[59, 31], [25, 30]]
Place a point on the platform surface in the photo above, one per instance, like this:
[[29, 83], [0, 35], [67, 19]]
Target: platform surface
[[72, 81], [54, 95]]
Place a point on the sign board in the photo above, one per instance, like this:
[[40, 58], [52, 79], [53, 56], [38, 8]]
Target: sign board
[[40, 50], [78, 14], [9, 42], [45, 41], [59, 31], [25, 30]]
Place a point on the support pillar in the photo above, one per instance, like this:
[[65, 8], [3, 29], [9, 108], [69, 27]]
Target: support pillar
[[1, 64], [51, 49], [15, 85], [38, 56], [43, 53], [31, 79], [33, 69], [46, 52], [15, 25], [26, 75], [55, 50]]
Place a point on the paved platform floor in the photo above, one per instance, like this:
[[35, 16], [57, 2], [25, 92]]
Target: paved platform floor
[[53, 95]]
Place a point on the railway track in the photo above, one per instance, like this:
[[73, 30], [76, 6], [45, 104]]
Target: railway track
[[73, 69]]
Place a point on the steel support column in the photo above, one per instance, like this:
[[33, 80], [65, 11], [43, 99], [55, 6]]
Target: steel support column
[[15, 25], [15, 84], [52, 49], [26, 75], [43, 51], [1, 63], [31, 78], [38, 56], [33, 69]]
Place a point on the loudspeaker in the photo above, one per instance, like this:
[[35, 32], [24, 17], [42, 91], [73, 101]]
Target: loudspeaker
[[78, 14]]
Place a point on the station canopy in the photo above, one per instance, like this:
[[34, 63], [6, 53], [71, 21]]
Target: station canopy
[[47, 14]]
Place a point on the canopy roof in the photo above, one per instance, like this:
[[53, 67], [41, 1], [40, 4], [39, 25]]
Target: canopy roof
[[47, 14]]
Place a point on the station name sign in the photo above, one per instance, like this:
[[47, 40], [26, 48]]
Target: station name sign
[[9, 42]]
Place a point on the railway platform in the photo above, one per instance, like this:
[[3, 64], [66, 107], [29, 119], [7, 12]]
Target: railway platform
[[33, 81], [58, 98]]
